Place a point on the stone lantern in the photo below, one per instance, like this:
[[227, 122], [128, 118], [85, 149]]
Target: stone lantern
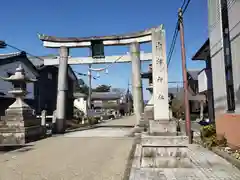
[[19, 125]]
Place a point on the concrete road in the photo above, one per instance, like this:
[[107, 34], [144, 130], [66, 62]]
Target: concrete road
[[101, 132], [124, 121], [97, 154], [194, 125]]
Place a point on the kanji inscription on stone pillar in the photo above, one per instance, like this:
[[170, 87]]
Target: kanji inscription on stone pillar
[[160, 79], [160, 75]]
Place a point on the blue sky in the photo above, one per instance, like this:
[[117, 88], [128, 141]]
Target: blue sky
[[22, 20]]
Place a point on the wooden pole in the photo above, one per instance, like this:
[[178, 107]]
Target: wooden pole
[[185, 80]]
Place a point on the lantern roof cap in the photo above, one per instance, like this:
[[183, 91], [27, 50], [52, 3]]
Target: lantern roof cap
[[18, 76]]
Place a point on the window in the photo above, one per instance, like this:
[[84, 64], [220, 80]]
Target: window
[[227, 57], [49, 76]]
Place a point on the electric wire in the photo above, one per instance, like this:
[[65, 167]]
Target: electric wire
[[102, 69], [169, 57], [18, 49], [174, 39]]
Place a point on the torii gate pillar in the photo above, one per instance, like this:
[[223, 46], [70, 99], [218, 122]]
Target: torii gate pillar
[[136, 81], [62, 90]]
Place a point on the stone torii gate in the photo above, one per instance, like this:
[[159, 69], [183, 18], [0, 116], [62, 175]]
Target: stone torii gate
[[160, 77]]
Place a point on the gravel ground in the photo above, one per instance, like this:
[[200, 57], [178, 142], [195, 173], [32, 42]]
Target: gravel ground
[[64, 158]]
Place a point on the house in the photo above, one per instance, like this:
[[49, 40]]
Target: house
[[8, 64], [220, 79], [80, 102], [48, 77], [41, 94], [194, 98], [106, 100]]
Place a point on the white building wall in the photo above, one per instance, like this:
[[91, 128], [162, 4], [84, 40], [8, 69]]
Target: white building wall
[[234, 26], [81, 104], [216, 47], [202, 81], [7, 86]]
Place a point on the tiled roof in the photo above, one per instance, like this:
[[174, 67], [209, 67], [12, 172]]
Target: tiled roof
[[10, 55], [38, 61], [17, 56], [105, 95], [194, 73], [78, 95]]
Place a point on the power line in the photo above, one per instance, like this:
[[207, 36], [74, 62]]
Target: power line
[[105, 68], [81, 74], [169, 57], [172, 47], [184, 1], [84, 74], [185, 8], [18, 49], [174, 39]]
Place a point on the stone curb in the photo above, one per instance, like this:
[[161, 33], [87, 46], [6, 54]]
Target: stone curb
[[130, 162], [227, 157], [136, 161]]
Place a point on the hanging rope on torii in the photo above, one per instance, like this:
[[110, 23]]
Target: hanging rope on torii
[[96, 45]]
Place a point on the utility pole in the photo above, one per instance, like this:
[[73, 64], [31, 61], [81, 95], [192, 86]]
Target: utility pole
[[185, 80], [128, 99], [90, 86]]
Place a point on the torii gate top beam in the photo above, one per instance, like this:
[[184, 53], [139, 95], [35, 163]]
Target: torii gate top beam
[[72, 42]]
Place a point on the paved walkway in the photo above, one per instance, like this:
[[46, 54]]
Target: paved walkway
[[97, 154], [194, 126], [204, 165], [124, 121], [101, 132]]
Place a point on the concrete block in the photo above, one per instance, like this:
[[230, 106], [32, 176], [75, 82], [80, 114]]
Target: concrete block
[[163, 127]]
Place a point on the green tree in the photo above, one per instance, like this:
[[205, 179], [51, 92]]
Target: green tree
[[102, 88], [177, 108], [82, 87]]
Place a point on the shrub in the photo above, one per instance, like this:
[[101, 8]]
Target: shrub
[[92, 120], [178, 108], [209, 137], [208, 131]]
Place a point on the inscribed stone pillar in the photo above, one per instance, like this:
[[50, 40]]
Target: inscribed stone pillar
[[136, 81], [62, 90], [160, 75], [160, 124]]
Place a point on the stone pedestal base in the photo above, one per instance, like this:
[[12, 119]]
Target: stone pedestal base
[[19, 126], [162, 127]]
